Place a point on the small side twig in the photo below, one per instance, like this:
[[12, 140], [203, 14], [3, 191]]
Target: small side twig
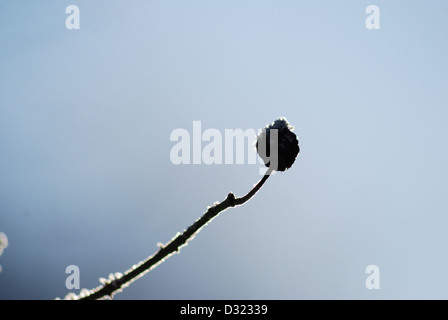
[[165, 251]]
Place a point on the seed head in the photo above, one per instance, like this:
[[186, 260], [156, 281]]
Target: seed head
[[287, 144]]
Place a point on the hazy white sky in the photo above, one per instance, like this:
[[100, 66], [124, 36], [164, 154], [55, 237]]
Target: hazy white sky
[[85, 123]]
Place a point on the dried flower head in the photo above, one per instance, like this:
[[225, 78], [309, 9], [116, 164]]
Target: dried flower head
[[281, 138]]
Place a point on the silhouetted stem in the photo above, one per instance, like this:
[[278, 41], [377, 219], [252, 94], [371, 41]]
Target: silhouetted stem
[[174, 245]]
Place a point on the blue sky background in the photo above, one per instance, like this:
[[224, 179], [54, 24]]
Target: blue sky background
[[85, 121]]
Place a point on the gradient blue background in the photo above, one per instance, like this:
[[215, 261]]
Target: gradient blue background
[[85, 173]]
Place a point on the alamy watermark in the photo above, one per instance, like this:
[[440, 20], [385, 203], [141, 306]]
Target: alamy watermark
[[73, 280], [72, 21], [211, 146], [373, 20], [373, 280]]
